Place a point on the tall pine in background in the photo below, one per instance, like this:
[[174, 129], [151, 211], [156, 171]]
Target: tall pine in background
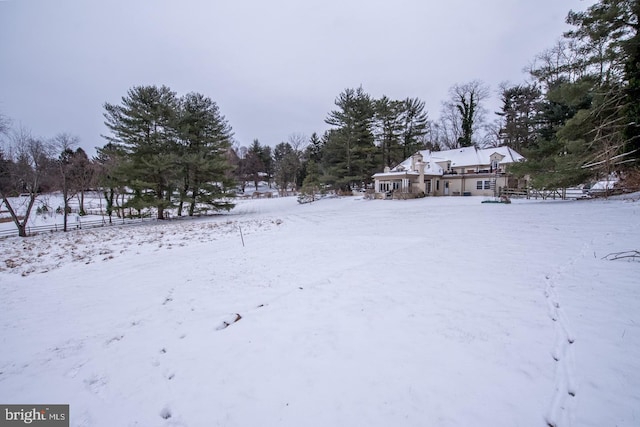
[[144, 126], [204, 138], [415, 125], [350, 148], [590, 114], [388, 120], [169, 146]]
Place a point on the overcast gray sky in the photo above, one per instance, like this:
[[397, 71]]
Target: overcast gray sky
[[273, 67]]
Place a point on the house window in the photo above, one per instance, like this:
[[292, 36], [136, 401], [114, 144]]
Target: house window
[[428, 186], [437, 185], [478, 185], [494, 165], [487, 185], [396, 185]]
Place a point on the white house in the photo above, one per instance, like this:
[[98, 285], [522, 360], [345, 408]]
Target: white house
[[467, 171]]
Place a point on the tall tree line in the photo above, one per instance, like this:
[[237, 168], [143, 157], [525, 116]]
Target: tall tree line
[[168, 151], [366, 135], [578, 119]]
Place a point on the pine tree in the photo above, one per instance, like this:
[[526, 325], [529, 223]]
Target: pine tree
[[144, 126], [286, 166], [415, 126], [205, 138], [266, 158], [315, 149], [555, 156], [520, 105], [589, 117], [311, 184], [610, 33], [351, 152], [388, 118], [254, 165]]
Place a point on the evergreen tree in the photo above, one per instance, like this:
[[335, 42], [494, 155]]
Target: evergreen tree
[[613, 27], [589, 116], [315, 149], [311, 184], [286, 165], [350, 149], [556, 156], [144, 125], [205, 138], [415, 126], [520, 106], [254, 165], [266, 158], [388, 118]]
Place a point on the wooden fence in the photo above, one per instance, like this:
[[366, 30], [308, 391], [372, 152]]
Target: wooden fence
[[78, 225]]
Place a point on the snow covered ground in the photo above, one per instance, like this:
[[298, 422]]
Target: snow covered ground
[[342, 312]]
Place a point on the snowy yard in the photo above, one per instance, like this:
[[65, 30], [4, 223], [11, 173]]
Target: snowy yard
[[342, 312]]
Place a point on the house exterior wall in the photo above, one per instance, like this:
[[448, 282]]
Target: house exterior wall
[[400, 183], [447, 185], [439, 175], [459, 185]]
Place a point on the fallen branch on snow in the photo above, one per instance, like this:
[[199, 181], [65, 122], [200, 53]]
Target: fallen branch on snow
[[632, 255]]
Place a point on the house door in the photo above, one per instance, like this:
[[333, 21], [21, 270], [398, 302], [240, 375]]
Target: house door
[[446, 188]]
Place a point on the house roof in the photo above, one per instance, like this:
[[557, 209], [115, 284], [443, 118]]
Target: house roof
[[472, 156], [459, 157]]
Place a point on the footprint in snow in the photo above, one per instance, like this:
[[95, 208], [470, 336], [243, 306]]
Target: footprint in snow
[[114, 339], [96, 383], [165, 413]]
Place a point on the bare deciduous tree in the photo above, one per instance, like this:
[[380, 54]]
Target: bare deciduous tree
[[463, 116], [64, 144], [25, 161], [298, 141], [4, 124]]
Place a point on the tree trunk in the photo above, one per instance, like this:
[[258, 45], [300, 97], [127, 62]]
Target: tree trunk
[[65, 209], [81, 202], [183, 194], [192, 205], [108, 196], [22, 226]]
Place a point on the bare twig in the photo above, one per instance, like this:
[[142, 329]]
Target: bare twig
[[633, 255]]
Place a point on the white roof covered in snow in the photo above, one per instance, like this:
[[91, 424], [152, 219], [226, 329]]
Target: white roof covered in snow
[[431, 167], [459, 157]]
